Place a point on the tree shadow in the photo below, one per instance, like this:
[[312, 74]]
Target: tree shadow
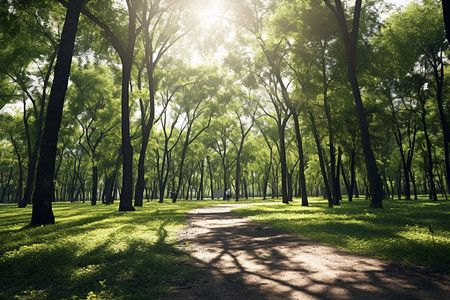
[[246, 260], [118, 265]]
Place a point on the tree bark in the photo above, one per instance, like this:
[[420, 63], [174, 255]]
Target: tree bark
[[44, 188]]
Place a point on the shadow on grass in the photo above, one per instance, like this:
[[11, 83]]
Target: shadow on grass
[[108, 254], [246, 260], [414, 232]]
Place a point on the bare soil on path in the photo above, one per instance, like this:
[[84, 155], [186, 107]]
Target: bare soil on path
[[242, 259]]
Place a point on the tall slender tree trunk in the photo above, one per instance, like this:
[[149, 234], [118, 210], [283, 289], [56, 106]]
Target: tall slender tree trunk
[[211, 181], [446, 11], [94, 185], [321, 161], [433, 194], [338, 182], [283, 162], [302, 161], [202, 173], [44, 188], [238, 176], [183, 157], [126, 197], [332, 178], [146, 127], [376, 188], [140, 182]]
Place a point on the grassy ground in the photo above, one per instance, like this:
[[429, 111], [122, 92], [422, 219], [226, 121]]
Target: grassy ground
[[93, 252], [411, 232], [100, 253]]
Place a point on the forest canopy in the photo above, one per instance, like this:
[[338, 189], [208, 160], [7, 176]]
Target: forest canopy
[[171, 99]]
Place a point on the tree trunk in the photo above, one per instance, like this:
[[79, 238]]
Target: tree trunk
[[289, 185], [284, 170], [244, 182], [332, 177], [346, 182], [439, 77], [433, 194], [376, 188], [237, 179], [94, 185], [183, 157], [140, 182], [126, 196], [321, 161], [42, 209], [413, 181], [33, 158], [5, 186], [446, 10], [210, 177], [301, 162], [267, 176], [338, 182], [202, 173]]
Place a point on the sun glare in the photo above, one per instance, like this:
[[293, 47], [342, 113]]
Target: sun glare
[[208, 13]]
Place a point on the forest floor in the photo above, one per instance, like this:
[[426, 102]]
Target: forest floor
[[242, 259]]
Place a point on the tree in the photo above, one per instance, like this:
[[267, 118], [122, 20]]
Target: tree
[[162, 23], [30, 45], [424, 62], [242, 113], [44, 188], [93, 107], [350, 39], [221, 129], [195, 99], [125, 49]]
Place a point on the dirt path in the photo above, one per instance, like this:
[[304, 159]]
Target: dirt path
[[241, 259]]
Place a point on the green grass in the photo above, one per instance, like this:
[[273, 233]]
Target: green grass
[[93, 252], [413, 232], [101, 253]]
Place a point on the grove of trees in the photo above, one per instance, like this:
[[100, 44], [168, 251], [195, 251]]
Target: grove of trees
[[142, 100]]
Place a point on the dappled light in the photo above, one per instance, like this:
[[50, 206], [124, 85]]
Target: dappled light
[[103, 253], [324, 122], [261, 262]]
